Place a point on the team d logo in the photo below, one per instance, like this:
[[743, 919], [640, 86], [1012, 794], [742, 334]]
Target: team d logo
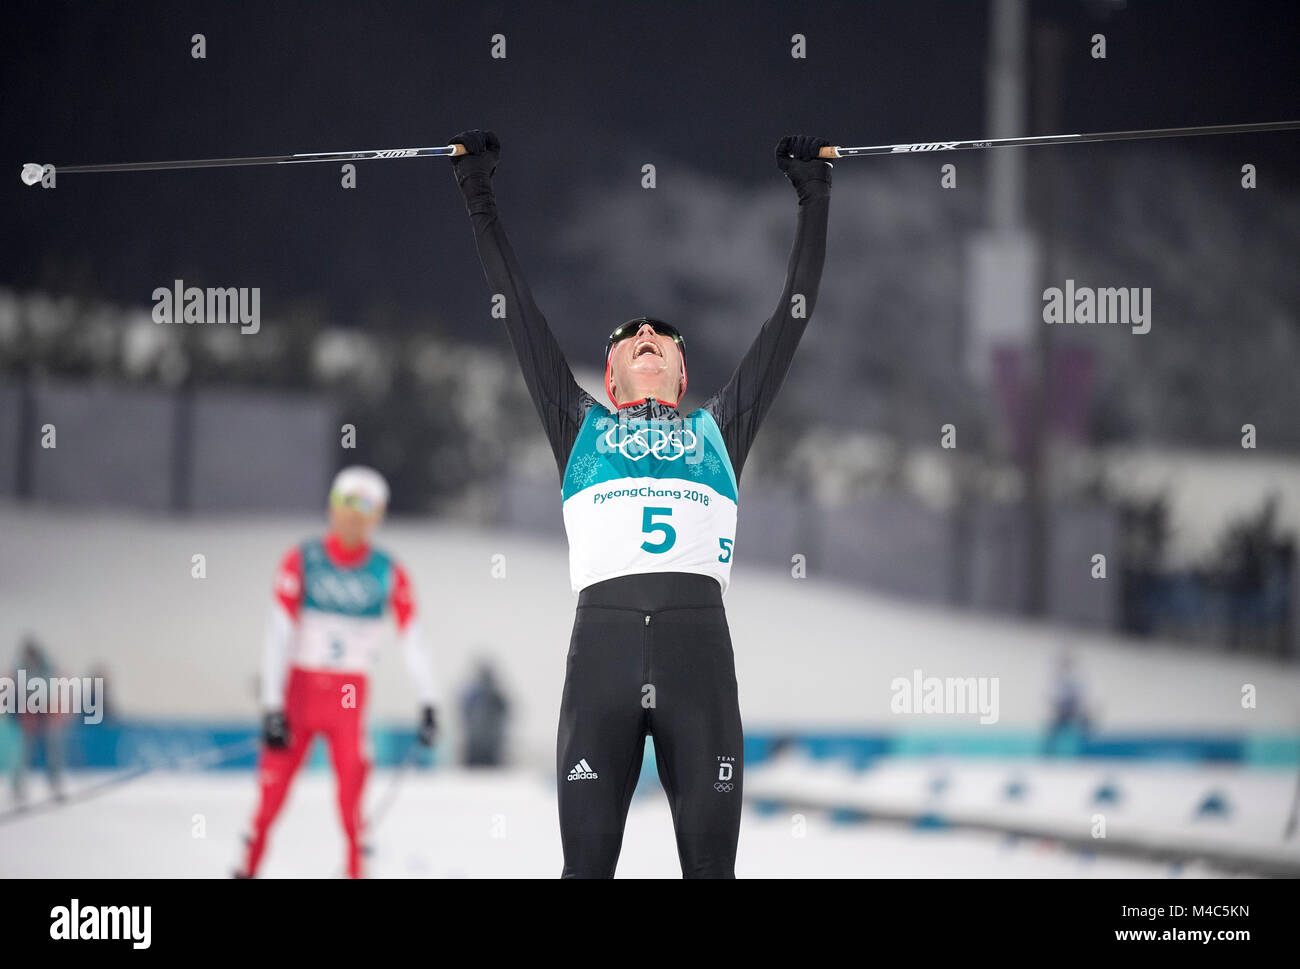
[[725, 767]]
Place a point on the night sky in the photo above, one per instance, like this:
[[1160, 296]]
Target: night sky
[[588, 93]]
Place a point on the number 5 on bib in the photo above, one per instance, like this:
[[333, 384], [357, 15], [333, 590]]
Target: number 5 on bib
[[649, 525]]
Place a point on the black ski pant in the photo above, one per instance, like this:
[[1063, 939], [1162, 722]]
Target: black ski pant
[[650, 654]]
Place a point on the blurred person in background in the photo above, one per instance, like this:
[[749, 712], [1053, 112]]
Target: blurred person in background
[[1293, 818], [485, 711], [107, 709], [1069, 713], [330, 598], [649, 495], [43, 731], [1254, 566]]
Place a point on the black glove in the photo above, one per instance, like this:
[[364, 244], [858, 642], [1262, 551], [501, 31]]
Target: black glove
[[275, 730], [483, 151], [796, 155], [428, 727]]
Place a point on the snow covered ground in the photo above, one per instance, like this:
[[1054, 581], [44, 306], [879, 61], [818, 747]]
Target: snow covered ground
[[454, 823], [813, 657], [1187, 810]]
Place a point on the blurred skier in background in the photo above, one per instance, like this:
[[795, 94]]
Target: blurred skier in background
[[327, 620], [1069, 713], [37, 731]]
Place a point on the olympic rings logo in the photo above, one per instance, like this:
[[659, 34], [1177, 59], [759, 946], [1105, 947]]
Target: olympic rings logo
[[667, 445], [347, 593], [723, 788]]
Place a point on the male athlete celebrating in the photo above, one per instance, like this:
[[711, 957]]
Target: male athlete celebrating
[[322, 637], [649, 498]]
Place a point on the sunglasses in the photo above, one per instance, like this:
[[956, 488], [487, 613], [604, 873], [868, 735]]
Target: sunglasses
[[357, 502], [632, 327]]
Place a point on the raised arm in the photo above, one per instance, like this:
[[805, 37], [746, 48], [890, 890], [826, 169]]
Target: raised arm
[[560, 402], [740, 406]]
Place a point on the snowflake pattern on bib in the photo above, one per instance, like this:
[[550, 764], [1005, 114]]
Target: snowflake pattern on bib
[[583, 470]]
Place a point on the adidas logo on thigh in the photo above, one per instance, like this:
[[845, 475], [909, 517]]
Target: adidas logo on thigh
[[582, 772]]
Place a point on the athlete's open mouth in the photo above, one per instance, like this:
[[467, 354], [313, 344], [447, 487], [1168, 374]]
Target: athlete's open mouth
[[646, 346]]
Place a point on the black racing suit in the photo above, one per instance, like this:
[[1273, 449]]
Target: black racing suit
[[650, 651]]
